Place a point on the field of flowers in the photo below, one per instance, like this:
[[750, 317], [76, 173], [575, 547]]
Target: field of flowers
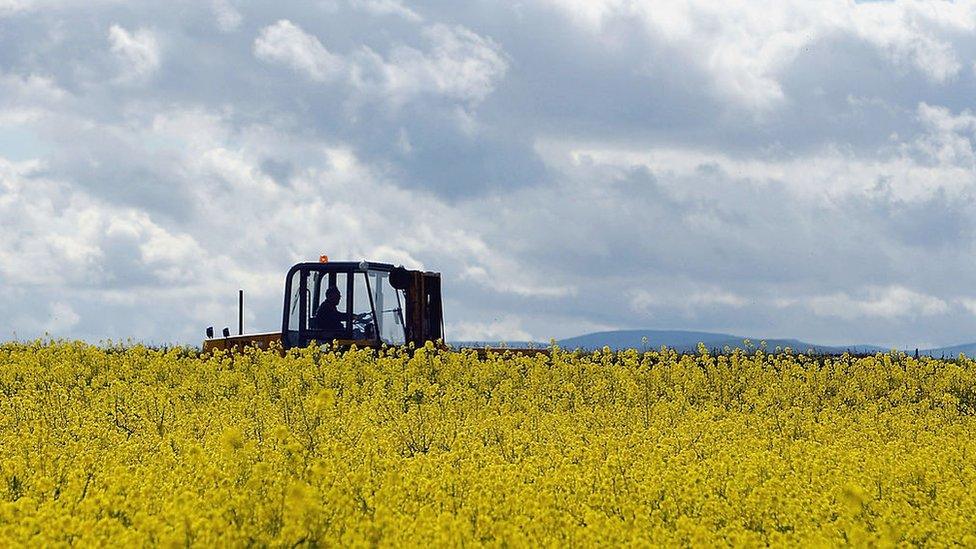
[[130, 446]]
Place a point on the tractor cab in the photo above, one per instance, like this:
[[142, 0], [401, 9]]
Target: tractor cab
[[360, 303]]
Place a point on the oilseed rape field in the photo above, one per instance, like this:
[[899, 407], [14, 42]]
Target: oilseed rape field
[[109, 445]]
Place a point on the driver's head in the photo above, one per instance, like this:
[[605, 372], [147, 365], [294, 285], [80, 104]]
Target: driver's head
[[332, 295]]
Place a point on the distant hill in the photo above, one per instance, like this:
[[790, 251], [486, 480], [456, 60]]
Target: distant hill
[[505, 344], [687, 341], [968, 349]]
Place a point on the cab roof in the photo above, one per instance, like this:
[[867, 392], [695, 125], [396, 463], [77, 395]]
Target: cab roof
[[341, 267]]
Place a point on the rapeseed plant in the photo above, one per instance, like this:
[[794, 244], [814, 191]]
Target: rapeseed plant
[[136, 446]]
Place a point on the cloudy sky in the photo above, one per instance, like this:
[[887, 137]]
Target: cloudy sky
[[794, 168]]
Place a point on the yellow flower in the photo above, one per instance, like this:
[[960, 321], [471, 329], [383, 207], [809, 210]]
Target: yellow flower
[[133, 446], [232, 438]]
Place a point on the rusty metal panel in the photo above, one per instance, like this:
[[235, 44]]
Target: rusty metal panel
[[415, 305]]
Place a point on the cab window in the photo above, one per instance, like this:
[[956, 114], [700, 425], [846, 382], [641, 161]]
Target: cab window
[[389, 308], [340, 307]]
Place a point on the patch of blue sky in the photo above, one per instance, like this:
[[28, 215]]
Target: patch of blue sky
[[19, 144]]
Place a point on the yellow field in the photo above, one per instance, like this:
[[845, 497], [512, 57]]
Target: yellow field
[[134, 446]]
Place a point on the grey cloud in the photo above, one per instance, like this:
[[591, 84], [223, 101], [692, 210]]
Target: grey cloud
[[565, 175], [280, 170], [936, 223]]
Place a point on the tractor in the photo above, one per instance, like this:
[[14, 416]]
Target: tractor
[[348, 303]]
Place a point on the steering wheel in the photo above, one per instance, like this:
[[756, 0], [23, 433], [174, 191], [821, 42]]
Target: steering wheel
[[362, 319], [363, 326]]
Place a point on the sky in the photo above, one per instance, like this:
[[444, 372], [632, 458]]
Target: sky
[[786, 169]]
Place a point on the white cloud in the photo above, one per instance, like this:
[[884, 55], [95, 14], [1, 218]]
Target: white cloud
[[948, 139], [228, 17], [941, 159], [284, 42], [386, 7], [138, 52], [459, 65], [8, 7], [403, 141], [496, 276], [26, 99], [907, 32], [969, 304], [32, 89], [879, 302], [504, 329], [172, 257], [49, 233], [63, 236], [13, 6], [690, 300], [745, 46], [592, 13], [63, 318]]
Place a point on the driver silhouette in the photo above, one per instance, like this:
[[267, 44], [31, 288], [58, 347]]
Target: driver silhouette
[[327, 317]]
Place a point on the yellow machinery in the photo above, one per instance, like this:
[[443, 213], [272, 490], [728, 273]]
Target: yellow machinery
[[363, 303]]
